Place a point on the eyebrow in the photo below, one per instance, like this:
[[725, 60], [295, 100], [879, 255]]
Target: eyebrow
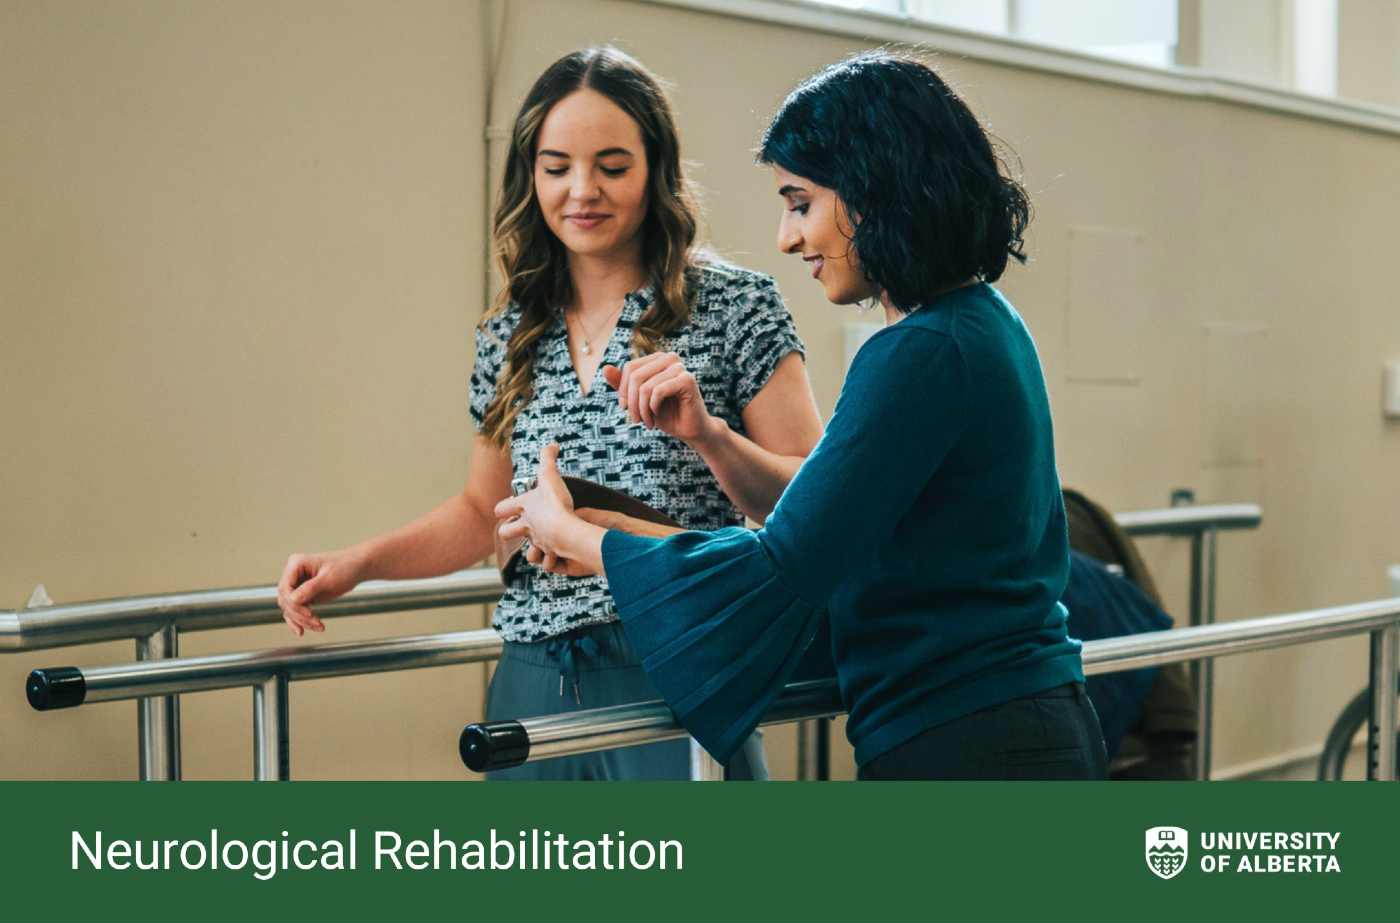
[[607, 152], [790, 189]]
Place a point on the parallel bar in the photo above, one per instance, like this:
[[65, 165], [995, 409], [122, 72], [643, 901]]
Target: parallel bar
[[1191, 519], [227, 671], [204, 610], [1381, 729], [223, 671], [155, 621], [271, 732], [158, 718], [1155, 648], [646, 722]]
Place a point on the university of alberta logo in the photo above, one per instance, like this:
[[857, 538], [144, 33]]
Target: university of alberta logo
[[1166, 851]]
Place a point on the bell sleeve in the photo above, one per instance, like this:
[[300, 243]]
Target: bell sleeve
[[721, 619], [717, 630]]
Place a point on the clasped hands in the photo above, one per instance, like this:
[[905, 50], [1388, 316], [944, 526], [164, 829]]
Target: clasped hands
[[657, 392], [557, 533], [563, 540]]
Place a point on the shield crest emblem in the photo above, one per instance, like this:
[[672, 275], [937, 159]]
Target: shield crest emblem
[[1166, 850]]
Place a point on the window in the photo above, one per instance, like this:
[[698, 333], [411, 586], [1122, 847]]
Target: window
[[1291, 44]]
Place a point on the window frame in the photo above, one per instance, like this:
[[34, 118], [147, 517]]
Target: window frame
[[881, 27]]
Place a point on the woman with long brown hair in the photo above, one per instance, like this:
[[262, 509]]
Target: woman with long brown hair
[[659, 371]]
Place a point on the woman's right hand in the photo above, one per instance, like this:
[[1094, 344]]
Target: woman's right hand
[[315, 578], [659, 392]]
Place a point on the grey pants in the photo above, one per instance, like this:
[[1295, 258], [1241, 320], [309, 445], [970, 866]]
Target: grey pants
[[593, 667]]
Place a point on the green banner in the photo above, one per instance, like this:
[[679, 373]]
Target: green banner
[[689, 850]]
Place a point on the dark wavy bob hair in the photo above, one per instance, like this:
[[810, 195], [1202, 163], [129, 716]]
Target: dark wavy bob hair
[[932, 202]]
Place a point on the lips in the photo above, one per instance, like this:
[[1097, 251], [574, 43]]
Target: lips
[[586, 220], [817, 263]]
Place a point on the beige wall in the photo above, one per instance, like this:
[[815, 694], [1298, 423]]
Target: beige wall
[[242, 252]]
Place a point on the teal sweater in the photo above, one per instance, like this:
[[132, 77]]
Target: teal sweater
[[927, 523]]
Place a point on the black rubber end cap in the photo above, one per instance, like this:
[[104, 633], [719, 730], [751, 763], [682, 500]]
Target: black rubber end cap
[[494, 745], [60, 687]]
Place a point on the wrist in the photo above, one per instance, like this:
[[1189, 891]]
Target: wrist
[[360, 561], [713, 434]]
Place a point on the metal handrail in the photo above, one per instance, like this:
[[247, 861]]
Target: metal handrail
[[500, 744], [205, 610], [1188, 520], [155, 622], [486, 744], [268, 672], [65, 687], [489, 745], [1150, 649]]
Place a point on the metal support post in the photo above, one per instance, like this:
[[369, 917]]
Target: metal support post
[[703, 767], [1380, 730], [806, 750], [158, 717], [1203, 559], [814, 750], [271, 742]]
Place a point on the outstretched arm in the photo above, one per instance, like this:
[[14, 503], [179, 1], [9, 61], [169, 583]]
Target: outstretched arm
[[455, 534]]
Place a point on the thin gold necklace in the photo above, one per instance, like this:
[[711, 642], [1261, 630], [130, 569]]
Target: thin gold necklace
[[587, 346]]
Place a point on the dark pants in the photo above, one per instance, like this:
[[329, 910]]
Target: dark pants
[[593, 667], [1049, 735]]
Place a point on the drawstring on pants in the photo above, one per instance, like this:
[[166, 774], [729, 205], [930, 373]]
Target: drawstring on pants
[[566, 651]]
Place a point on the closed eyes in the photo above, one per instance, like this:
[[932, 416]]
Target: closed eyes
[[613, 172]]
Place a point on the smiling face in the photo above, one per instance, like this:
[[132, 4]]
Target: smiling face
[[815, 225], [591, 175]]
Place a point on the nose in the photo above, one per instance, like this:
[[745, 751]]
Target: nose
[[789, 236], [584, 186]]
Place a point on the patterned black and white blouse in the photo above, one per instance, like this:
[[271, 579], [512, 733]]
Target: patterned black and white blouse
[[738, 331]]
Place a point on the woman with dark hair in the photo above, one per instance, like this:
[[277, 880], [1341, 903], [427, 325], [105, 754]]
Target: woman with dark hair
[[928, 522], [608, 308]]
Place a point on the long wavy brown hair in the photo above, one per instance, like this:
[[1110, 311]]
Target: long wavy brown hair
[[533, 261]]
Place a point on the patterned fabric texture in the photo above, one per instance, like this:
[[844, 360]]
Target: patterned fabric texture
[[738, 332]]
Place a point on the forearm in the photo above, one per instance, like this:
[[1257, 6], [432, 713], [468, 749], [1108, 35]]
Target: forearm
[[450, 537], [750, 475]]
